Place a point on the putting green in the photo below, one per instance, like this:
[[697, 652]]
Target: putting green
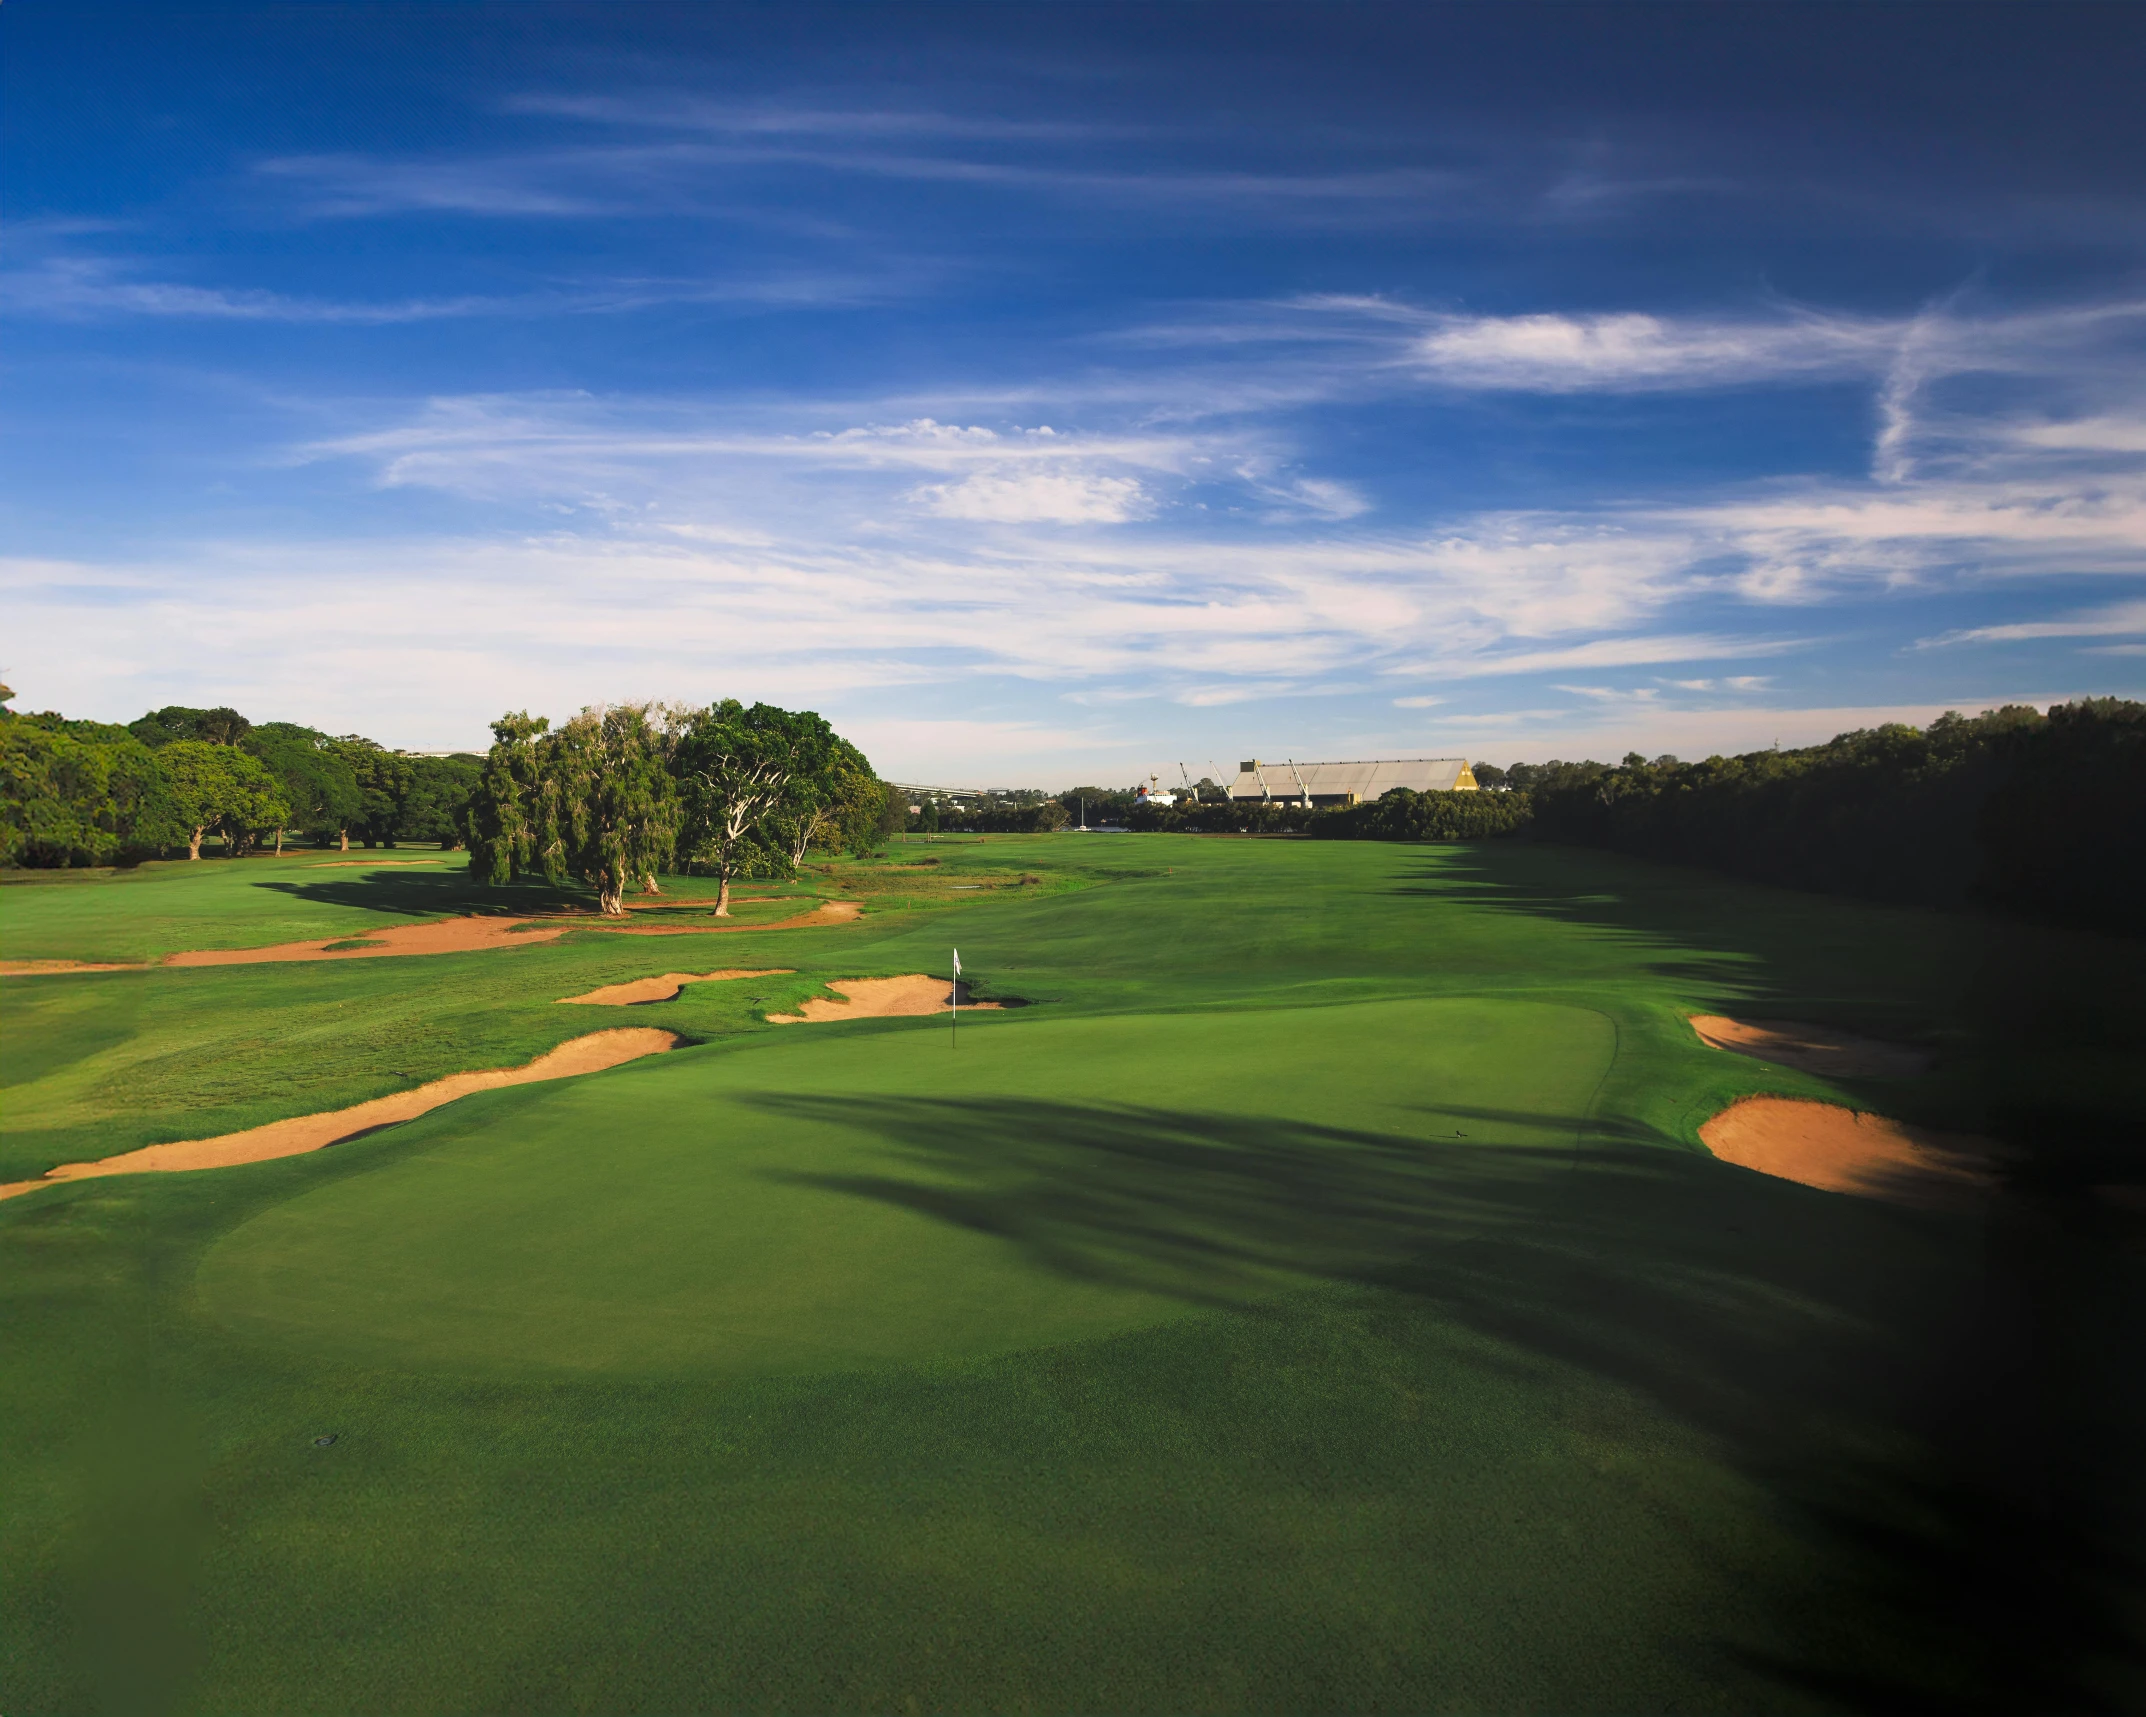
[[837, 1199]]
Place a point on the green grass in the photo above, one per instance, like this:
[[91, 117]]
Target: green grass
[[587, 1231], [164, 908], [1165, 1345]]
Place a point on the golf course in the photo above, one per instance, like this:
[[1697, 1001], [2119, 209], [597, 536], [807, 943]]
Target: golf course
[[1294, 1281]]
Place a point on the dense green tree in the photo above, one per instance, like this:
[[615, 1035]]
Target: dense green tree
[[835, 800], [616, 813], [2039, 814], [1402, 815], [893, 811], [385, 779], [505, 822], [78, 793], [316, 779], [219, 726], [1098, 805], [440, 789], [220, 787], [735, 768]]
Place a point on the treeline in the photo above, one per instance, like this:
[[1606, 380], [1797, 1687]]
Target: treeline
[[619, 795], [999, 814], [2042, 815], [75, 792]]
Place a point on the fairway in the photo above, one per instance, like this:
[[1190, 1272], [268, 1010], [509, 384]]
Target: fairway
[[809, 1206], [1317, 1297]]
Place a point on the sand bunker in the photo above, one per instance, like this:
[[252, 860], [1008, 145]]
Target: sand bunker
[[1838, 1150], [666, 988], [831, 912], [882, 998], [591, 1054], [448, 936], [1811, 1048]]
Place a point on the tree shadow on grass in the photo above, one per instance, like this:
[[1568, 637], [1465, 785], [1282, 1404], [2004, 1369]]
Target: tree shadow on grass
[[422, 895], [1881, 1373]]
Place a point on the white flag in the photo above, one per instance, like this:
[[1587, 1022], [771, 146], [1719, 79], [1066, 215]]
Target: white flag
[[957, 962]]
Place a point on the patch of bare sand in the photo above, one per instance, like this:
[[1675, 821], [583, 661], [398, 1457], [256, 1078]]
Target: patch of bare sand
[[666, 988], [448, 936], [699, 903], [882, 998], [1811, 1048], [47, 968], [1839, 1150], [830, 912], [590, 1054]]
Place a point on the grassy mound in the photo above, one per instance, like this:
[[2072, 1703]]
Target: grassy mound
[[795, 1207]]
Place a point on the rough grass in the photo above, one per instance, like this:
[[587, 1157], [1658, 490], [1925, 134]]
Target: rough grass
[[1157, 1348]]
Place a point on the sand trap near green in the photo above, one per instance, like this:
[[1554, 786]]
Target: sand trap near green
[[871, 1197]]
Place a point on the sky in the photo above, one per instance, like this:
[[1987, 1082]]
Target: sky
[[1065, 393]]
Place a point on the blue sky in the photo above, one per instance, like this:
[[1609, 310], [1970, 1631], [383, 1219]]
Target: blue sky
[[1058, 393]]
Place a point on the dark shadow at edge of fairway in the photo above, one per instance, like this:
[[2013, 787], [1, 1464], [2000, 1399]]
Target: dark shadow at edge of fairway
[[403, 894], [1798, 1329]]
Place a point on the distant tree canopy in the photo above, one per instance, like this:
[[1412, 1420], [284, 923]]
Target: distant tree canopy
[[317, 780], [1402, 815], [2017, 810], [618, 795], [78, 792], [440, 789], [220, 726], [1013, 813], [2038, 815]]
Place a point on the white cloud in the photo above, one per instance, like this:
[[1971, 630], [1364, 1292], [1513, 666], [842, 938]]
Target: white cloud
[[1607, 653], [2103, 434], [1036, 497], [1629, 350], [78, 287], [1607, 728], [2117, 620]]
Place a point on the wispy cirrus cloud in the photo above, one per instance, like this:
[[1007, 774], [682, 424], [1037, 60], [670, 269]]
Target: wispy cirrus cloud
[[605, 181], [85, 288], [2115, 620], [1036, 497], [1625, 351], [686, 110], [78, 287]]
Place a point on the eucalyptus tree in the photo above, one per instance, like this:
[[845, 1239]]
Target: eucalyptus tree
[[506, 822], [736, 768], [839, 802], [614, 807]]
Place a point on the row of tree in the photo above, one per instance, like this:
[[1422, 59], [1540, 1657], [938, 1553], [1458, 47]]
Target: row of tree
[[619, 795], [2037, 814], [76, 792]]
